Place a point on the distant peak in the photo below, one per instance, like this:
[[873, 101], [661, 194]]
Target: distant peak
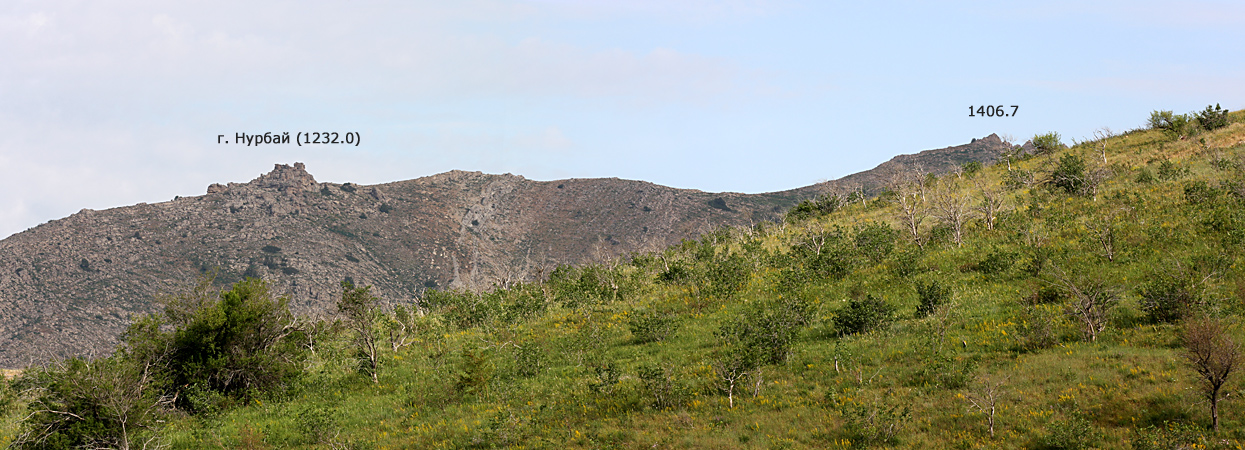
[[284, 178]]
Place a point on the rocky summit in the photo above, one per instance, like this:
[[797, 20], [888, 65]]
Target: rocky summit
[[70, 286]]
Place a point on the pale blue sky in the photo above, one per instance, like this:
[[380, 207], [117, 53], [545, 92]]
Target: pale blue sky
[[106, 104]]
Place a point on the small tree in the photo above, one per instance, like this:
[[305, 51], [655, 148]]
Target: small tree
[[910, 199], [1214, 355], [1090, 302], [360, 308], [952, 206], [991, 202], [984, 396]]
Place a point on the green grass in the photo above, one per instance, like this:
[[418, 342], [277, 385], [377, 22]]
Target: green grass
[[904, 386]]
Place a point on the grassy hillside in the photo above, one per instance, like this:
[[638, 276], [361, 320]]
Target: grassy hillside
[[1061, 322]]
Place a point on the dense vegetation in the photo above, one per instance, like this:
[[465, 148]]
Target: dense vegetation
[[1082, 297]]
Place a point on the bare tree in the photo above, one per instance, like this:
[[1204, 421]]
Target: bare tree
[[1091, 302], [910, 197], [952, 207], [991, 202], [984, 396], [1101, 135], [1214, 355]]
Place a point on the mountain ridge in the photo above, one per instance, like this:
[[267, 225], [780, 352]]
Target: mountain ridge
[[71, 285]]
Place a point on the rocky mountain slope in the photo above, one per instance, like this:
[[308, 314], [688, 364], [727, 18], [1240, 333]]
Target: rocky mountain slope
[[71, 285]]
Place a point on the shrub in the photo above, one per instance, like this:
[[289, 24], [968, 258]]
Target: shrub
[[1037, 328], [971, 168], [875, 240], [651, 326], [906, 263], [1047, 143], [240, 342], [1073, 433], [1199, 192], [464, 309], [930, 296], [820, 206], [1170, 171], [766, 330], [1144, 176], [474, 371], [1213, 118], [864, 315], [1017, 179], [661, 385], [879, 423], [1172, 436], [1160, 120], [1069, 175]]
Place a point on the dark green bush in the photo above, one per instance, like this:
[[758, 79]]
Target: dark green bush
[[1160, 120], [724, 277], [1069, 174], [651, 326], [1198, 192], [1144, 175], [930, 296], [996, 262], [1170, 171], [907, 262], [1213, 118], [240, 342], [1168, 297], [820, 206], [864, 315]]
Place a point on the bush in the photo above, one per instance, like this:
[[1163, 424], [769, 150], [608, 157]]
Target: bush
[[1069, 175], [1160, 120], [1173, 436], [766, 330], [864, 315], [906, 263], [875, 240], [662, 386], [240, 342], [1145, 176], [1168, 297], [651, 326], [879, 423], [1213, 118], [462, 308], [1073, 433], [1170, 171], [820, 206], [1017, 179], [930, 296], [1199, 192], [1047, 143]]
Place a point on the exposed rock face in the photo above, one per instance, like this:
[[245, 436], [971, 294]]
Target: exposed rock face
[[70, 286]]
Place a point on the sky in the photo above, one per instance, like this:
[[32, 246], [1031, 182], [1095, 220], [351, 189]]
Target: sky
[[110, 103]]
